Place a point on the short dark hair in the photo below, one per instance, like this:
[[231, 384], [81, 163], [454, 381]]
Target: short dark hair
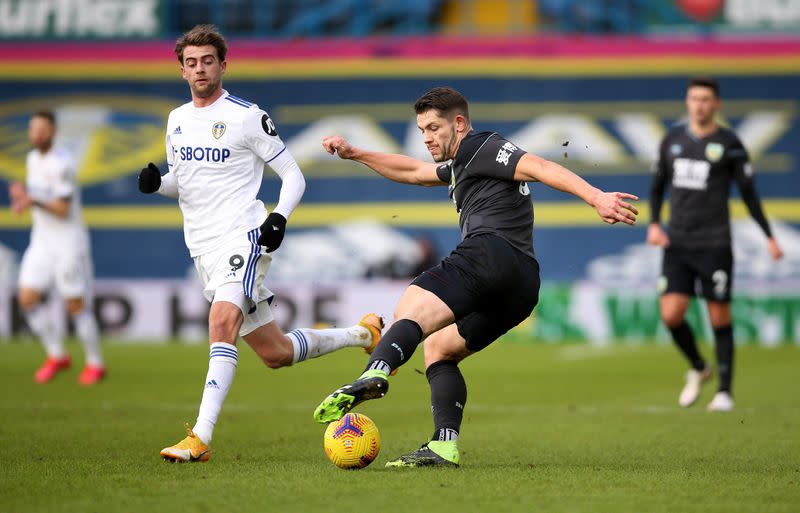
[[704, 82], [45, 114], [202, 35], [446, 100]]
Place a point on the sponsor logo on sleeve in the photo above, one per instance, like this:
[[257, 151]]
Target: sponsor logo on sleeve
[[268, 125]]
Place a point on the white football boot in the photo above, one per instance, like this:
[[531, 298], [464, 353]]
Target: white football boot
[[694, 383], [722, 401]]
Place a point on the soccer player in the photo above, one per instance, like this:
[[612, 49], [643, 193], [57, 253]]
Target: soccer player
[[487, 285], [58, 257], [217, 145], [700, 160]]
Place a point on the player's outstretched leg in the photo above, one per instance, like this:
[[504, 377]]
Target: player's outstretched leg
[[431, 454], [190, 449], [313, 343], [394, 349]]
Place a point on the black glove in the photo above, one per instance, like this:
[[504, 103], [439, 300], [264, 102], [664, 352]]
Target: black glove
[[272, 232], [149, 179]]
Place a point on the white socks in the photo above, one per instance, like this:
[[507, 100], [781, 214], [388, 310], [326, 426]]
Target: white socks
[[222, 362], [38, 319], [86, 327], [309, 343]]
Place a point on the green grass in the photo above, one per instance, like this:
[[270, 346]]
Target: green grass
[[547, 428]]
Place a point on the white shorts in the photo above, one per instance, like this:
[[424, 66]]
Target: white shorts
[[70, 273], [236, 273]]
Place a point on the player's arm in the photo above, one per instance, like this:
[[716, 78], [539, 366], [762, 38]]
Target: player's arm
[[22, 201], [59, 201], [293, 184], [610, 206], [261, 136], [655, 233], [743, 174], [398, 168], [150, 178], [58, 207]]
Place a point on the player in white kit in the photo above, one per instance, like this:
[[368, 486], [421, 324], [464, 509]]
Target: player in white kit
[[217, 146], [58, 257]]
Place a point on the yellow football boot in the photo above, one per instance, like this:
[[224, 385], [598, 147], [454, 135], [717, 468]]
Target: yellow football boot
[[374, 324], [189, 449]]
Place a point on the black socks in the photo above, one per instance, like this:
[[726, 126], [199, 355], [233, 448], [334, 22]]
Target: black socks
[[684, 339], [396, 346], [448, 397], [725, 350]]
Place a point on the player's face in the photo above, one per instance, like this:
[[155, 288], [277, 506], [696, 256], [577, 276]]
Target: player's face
[[439, 135], [203, 70], [41, 133], [701, 104]]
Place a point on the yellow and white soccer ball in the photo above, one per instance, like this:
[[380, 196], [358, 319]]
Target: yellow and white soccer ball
[[352, 442]]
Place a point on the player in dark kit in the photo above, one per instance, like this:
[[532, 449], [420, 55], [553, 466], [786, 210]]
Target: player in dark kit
[[700, 160], [487, 285]]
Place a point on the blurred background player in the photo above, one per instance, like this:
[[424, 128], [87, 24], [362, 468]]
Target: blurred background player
[[699, 160], [486, 286], [58, 257], [217, 146]]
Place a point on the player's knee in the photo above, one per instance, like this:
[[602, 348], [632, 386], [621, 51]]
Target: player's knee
[[28, 300], [224, 327], [275, 363], [672, 318], [437, 350], [399, 314], [75, 306], [275, 358], [719, 317]]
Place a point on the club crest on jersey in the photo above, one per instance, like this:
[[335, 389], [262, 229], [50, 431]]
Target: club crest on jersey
[[714, 151], [675, 149], [218, 129]]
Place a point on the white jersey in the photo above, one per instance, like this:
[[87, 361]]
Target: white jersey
[[52, 176], [216, 155]]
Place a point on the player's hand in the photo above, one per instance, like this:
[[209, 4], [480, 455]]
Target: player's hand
[[656, 236], [272, 232], [149, 179], [612, 207], [16, 190], [339, 145], [775, 251], [18, 196]]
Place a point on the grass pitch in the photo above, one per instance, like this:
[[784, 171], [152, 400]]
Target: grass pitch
[[547, 428]]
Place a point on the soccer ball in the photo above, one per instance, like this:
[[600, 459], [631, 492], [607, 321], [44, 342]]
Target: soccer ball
[[352, 441]]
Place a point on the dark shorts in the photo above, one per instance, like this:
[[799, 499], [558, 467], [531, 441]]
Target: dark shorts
[[488, 284], [704, 272]]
